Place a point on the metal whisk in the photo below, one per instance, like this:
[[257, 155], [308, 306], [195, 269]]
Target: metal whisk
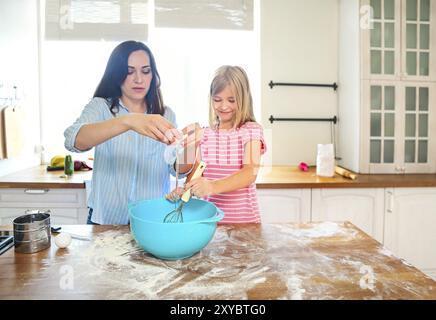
[[176, 216]]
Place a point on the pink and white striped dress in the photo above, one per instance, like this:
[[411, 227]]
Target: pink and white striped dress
[[223, 151]]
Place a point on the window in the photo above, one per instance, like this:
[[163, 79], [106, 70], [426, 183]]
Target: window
[[93, 20], [186, 57]]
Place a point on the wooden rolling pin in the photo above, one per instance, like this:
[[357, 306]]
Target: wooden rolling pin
[[345, 173]]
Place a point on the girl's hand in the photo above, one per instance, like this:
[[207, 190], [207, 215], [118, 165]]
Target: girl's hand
[[152, 125], [175, 195], [201, 187]]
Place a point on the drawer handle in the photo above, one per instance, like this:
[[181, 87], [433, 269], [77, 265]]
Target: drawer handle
[[390, 208], [36, 191]]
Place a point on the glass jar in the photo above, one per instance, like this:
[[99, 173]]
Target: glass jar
[[68, 165]]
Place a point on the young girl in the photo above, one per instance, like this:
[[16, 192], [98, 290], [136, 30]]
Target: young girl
[[231, 147]]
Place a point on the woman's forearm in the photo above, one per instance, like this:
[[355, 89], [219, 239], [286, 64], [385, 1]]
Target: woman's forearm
[[241, 179], [93, 134]]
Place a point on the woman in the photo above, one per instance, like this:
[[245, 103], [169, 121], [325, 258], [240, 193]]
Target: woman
[[129, 126]]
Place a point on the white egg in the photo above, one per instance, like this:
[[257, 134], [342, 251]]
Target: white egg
[[63, 240]]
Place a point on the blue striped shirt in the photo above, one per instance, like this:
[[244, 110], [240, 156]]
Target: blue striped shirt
[[128, 167]]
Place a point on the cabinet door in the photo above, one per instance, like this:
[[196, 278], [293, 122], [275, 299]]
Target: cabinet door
[[398, 41], [418, 127], [362, 207], [418, 45], [67, 206], [410, 226], [284, 205], [381, 37], [398, 125], [49, 198], [398, 70], [381, 119], [58, 216]]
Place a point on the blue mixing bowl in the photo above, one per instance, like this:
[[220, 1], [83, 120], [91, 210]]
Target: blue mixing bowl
[[173, 241]]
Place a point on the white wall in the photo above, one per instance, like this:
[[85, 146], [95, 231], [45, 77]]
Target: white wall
[[186, 59], [299, 43], [349, 79], [19, 66]]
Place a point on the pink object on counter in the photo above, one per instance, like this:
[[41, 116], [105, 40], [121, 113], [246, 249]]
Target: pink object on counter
[[303, 166]]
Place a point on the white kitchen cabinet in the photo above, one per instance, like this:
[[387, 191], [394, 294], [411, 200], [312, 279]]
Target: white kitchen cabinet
[[397, 39], [387, 86], [398, 118], [361, 206], [67, 206], [284, 205], [410, 226]]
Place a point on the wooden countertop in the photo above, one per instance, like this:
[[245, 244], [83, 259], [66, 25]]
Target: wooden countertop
[[39, 177], [293, 261], [276, 177], [285, 177]]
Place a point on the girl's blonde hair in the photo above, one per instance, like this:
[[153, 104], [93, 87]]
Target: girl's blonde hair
[[237, 79]]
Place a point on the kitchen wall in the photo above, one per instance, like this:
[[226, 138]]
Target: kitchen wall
[[19, 67], [349, 78], [299, 43]]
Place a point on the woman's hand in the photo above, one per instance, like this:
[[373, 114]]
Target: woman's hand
[[201, 187], [154, 126], [192, 135], [175, 195]]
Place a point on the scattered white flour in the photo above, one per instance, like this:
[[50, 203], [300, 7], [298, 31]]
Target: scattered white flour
[[110, 255], [389, 253], [324, 229], [406, 263], [115, 258], [386, 252], [294, 286], [368, 279], [259, 280], [239, 264]]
